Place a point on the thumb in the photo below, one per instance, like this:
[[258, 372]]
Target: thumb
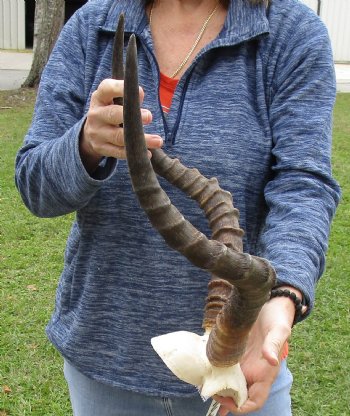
[[223, 411], [274, 343]]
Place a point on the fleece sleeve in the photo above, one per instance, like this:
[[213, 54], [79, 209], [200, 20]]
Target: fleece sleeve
[[49, 173], [302, 195]]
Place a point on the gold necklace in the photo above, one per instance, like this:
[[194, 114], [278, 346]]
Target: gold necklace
[[199, 37]]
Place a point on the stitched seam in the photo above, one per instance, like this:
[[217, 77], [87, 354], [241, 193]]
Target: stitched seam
[[167, 406]]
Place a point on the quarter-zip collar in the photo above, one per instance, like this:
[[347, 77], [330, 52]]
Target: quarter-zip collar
[[244, 21]]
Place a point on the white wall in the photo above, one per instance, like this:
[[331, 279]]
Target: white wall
[[336, 16], [312, 4], [12, 24]]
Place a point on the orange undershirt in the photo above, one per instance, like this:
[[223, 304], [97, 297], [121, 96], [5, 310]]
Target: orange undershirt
[[166, 92]]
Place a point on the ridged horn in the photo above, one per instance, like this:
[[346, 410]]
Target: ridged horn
[[252, 277], [230, 311]]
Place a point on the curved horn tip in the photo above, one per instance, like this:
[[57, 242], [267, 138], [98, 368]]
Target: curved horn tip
[[117, 55], [132, 41], [131, 60], [121, 21]]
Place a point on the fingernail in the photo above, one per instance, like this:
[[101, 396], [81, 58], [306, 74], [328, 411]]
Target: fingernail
[[159, 140], [146, 114], [156, 140], [274, 356]]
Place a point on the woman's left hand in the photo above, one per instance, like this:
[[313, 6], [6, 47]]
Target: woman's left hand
[[261, 361]]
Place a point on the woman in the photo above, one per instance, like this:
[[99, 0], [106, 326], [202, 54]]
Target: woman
[[241, 90]]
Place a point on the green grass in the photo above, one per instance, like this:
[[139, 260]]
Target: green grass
[[320, 352], [31, 257]]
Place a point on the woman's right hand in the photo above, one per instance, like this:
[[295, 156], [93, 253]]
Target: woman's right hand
[[103, 135]]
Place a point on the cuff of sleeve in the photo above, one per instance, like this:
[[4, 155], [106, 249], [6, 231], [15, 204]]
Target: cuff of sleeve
[[77, 187], [105, 170]]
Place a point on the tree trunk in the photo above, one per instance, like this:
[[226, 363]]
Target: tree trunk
[[49, 19]]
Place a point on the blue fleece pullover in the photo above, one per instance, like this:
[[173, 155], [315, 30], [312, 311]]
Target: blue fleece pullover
[[254, 110]]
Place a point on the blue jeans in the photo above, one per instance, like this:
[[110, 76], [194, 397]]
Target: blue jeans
[[91, 398]]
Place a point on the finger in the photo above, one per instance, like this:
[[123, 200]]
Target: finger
[[109, 89], [105, 115], [274, 343], [108, 143], [257, 396], [106, 91], [223, 411], [118, 152], [146, 116], [113, 115], [116, 138], [227, 405], [106, 149], [153, 141]]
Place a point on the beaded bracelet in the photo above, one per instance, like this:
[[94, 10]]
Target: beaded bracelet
[[291, 295]]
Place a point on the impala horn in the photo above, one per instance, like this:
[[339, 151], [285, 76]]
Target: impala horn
[[240, 283]]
